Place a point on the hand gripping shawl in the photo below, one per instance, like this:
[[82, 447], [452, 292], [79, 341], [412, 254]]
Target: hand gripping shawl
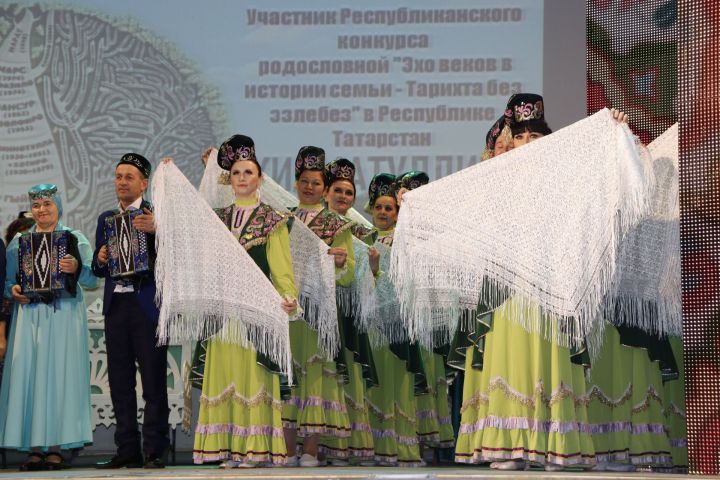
[[542, 222], [207, 284], [648, 293]]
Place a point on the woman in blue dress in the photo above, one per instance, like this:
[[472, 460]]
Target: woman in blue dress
[[45, 394]]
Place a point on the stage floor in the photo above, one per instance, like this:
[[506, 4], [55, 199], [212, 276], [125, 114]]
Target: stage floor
[[374, 473]]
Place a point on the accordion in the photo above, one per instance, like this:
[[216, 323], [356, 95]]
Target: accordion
[[128, 253], [39, 258]]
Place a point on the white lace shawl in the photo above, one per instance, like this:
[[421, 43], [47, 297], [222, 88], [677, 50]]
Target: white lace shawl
[[357, 300], [542, 222], [649, 262], [313, 268], [387, 323], [315, 280], [207, 284]]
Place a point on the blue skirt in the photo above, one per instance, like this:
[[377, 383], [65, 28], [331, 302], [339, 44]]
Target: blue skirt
[[45, 394]]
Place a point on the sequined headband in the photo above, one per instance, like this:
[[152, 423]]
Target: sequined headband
[[229, 155], [526, 111], [311, 162], [46, 192], [345, 172], [411, 184], [381, 190]]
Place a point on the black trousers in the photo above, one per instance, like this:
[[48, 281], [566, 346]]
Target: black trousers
[[130, 337]]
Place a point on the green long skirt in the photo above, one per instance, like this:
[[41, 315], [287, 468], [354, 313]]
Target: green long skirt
[[392, 411], [434, 427], [675, 416], [524, 403], [317, 402], [360, 444], [240, 409]]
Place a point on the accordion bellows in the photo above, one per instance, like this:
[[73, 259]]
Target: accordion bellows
[[127, 247], [39, 265]]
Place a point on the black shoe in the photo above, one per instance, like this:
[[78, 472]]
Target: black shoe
[[120, 461], [34, 463], [153, 461], [59, 464]]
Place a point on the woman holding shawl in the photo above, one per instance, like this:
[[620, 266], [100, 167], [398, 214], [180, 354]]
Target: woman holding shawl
[[340, 197], [626, 382], [498, 140], [240, 418], [400, 374], [317, 406], [525, 405], [434, 427]]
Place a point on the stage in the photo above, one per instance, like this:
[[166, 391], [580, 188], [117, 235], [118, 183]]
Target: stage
[[377, 473]]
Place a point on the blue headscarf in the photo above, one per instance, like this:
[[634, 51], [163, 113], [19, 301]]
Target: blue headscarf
[[46, 190]]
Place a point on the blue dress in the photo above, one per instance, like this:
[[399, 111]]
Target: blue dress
[[45, 394]]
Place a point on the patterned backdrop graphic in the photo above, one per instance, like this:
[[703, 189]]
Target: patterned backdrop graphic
[[79, 90], [699, 94], [632, 62], [659, 61]]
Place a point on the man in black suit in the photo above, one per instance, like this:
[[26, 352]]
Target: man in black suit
[[130, 322]]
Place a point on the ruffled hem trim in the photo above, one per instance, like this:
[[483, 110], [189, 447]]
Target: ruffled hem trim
[[525, 423], [334, 452], [562, 392], [427, 415], [652, 458], [675, 410], [360, 427], [309, 429], [679, 442], [203, 456], [392, 434], [487, 454], [378, 413], [596, 392], [393, 459], [429, 437], [357, 406], [635, 429], [650, 394], [361, 452], [238, 430], [314, 401], [613, 456], [230, 394]]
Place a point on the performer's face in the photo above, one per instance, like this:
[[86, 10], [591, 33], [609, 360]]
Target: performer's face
[[399, 195], [340, 196], [45, 213], [245, 178], [129, 183], [310, 186], [500, 146], [525, 137], [384, 212]]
